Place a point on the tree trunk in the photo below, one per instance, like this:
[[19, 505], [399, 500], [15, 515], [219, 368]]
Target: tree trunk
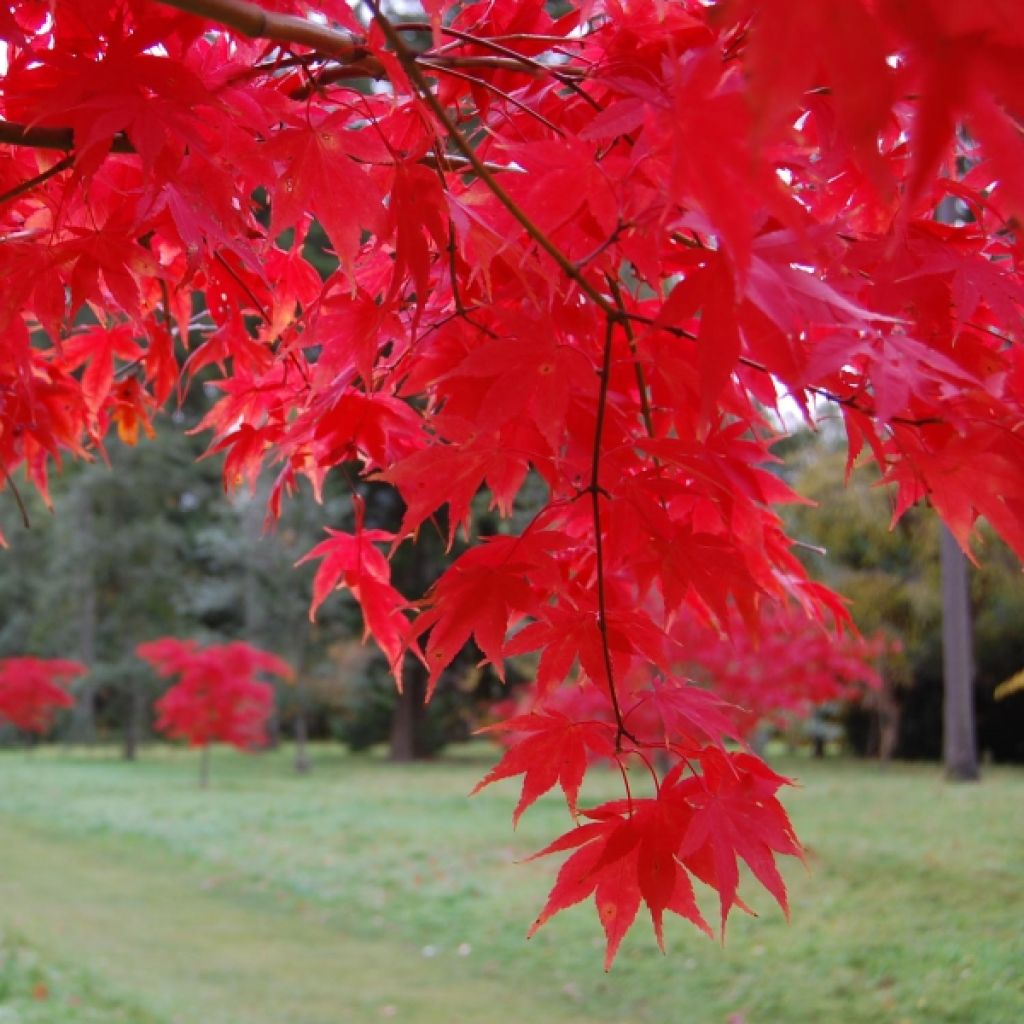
[[412, 573], [410, 712], [888, 721], [959, 747], [132, 723], [302, 763], [254, 594], [204, 767], [83, 715]]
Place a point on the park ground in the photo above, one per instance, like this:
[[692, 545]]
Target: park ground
[[375, 892]]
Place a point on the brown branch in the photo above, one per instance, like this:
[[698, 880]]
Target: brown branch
[[567, 75], [27, 186], [484, 84], [15, 134], [52, 138], [252, 20], [641, 383], [508, 37], [19, 501], [595, 512], [459, 164], [650, 321], [243, 284], [492, 63]]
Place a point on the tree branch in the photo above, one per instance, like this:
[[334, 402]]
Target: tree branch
[[484, 84], [52, 138], [14, 134], [25, 521], [638, 370], [252, 20], [595, 512], [39, 179]]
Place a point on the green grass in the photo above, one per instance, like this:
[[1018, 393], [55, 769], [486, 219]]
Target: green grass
[[370, 891], [34, 991]]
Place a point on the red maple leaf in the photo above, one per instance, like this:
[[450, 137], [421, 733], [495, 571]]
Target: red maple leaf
[[482, 594], [318, 176], [352, 562], [627, 854], [736, 815], [555, 750]]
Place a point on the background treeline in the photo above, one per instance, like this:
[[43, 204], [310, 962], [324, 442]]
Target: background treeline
[[149, 546], [892, 577]]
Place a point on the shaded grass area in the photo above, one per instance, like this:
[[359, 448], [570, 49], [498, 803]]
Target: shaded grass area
[[390, 894]]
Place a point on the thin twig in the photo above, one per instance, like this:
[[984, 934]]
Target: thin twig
[[595, 512], [26, 522], [26, 186], [243, 284], [567, 76], [427, 95], [625, 783], [484, 84], [638, 370]]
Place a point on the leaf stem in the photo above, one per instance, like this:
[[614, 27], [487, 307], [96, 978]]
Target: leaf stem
[[638, 370], [19, 501], [595, 512]]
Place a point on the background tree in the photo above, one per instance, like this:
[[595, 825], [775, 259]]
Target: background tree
[[891, 574], [33, 689], [217, 698]]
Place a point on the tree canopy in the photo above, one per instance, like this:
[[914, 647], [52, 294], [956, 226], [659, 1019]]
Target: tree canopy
[[602, 244]]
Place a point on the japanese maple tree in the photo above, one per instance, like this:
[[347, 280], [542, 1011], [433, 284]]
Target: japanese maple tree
[[784, 670], [595, 249], [32, 690], [217, 697]]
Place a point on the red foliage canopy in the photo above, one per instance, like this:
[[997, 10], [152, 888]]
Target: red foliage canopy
[[596, 249], [32, 689], [785, 669], [217, 697]]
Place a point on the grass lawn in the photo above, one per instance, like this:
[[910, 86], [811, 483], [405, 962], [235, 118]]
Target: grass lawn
[[370, 891]]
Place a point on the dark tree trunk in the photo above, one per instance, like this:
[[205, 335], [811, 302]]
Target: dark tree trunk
[[888, 721], [83, 714], [132, 723], [410, 714], [204, 767], [959, 746], [413, 571], [302, 763], [254, 595]]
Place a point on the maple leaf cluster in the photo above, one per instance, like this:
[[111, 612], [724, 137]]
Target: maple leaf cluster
[[217, 697], [33, 689], [593, 250]]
